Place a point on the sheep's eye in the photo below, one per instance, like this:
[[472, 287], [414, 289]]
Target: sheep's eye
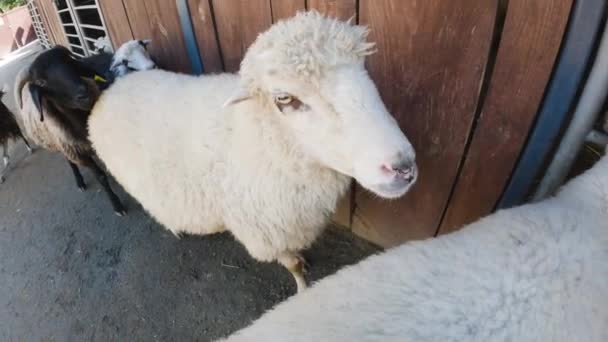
[[283, 99]]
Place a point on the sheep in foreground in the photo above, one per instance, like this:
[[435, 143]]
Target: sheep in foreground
[[534, 273], [9, 130], [265, 154], [55, 94]]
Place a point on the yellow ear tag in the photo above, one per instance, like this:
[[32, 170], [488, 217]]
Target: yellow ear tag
[[100, 79]]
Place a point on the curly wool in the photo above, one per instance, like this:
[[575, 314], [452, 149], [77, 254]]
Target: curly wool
[[538, 272], [304, 47]]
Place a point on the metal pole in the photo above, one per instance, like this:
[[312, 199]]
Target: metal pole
[[589, 106], [579, 43], [194, 55]]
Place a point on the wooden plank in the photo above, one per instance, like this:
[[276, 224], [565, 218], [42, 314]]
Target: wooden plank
[[282, 9], [238, 24], [166, 30], [341, 9], [45, 21], [528, 49], [344, 210], [51, 18], [117, 22], [429, 69], [159, 20], [138, 19], [204, 29]]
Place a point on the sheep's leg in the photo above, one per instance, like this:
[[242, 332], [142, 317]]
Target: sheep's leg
[[5, 153], [296, 265], [5, 160], [78, 177], [102, 178], [30, 150]]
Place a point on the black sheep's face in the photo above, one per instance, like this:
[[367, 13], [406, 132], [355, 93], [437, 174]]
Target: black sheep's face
[[64, 81]]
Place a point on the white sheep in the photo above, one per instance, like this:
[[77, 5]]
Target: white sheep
[[538, 272], [265, 154]]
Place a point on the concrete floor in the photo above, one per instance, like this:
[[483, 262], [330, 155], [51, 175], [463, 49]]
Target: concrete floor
[[70, 270]]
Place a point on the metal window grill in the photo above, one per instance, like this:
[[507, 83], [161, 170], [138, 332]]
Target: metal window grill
[[37, 24], [82, 23]]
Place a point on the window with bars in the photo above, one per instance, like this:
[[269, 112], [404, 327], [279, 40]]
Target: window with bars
[[83, 25], [37, 24]]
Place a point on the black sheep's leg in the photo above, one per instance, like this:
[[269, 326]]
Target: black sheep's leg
[[5, 153], [102, 178], [30, 150], [78, 177], [5, 160]]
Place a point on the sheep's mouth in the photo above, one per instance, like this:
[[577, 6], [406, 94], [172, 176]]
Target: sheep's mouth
[[394, 189]]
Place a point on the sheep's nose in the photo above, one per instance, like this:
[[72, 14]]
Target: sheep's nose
[[405, 169]]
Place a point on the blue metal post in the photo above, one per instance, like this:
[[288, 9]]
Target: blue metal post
[[194, 55], [575, 57]]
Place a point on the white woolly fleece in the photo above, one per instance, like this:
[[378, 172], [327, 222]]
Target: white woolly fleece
[[199, 167], [534, 273], [304, 47]]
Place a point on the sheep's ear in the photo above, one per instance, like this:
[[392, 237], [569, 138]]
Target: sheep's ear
[[240, 95], [145, 42], [36, 92]]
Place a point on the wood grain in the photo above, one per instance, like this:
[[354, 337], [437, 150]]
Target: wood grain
[[429, 69], [204, 29], [45, 21], [531, 38], [138, 20], [238, 23], [52, 22], [159, 20], [118, 26], [341, 9], [282, 9]]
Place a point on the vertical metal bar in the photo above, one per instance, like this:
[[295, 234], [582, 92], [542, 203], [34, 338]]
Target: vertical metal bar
[[577, 49], [103, 23], [587, 111], [76, 21], [194, 55]]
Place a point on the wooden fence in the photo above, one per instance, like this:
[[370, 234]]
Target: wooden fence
[[464, 78]]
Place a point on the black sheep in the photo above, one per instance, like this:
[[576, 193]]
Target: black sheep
[[9, 130]]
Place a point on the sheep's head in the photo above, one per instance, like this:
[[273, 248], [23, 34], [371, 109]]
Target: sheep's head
[[310, 71], [60, 78], [132, 56]]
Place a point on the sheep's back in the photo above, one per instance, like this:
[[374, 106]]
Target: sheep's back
[[160, 135]]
